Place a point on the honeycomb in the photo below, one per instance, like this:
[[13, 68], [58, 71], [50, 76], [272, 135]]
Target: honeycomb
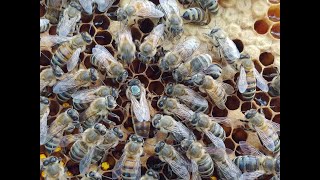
[[253, 25]]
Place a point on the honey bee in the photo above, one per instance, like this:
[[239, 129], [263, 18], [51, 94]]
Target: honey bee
[[187, 69], [44, 25], [66, 121], [197, 16], [53, 169], [171, 106], [167, 124], [141, 122], [274, 87], [188, 96], [102, 5], [126, 47], [211, 5], [98, 110], [214, 70], [168, 154], [249, 78], [48, 77], [150, 175], [68, 52], [129, 165], [201, 162], [210, 126], [81, 99], [85, 144], [179, 54], [67, 86], [139, 8], [218, 91], [225, 45], [44, 112], [68, 20], [48, 41], [174, 23], [92, 175], [102, 59], [54, 8], [254, 160], [266, 129], [148, 48]]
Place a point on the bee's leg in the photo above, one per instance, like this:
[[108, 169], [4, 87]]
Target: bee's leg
[[106, 120], [114, 115], [208, 17]]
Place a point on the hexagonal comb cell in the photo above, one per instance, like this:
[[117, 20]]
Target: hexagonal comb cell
[[239, 134], [229, 144], [153, 72], [266, 58], [274, 13], [216, 112], [275, 31], [54, 108], [233, 102], [101, 22], [136, 33], [103, 37], [275, 104], [239, 44], [146, 25], [261, 26], [257, 65], [267, 113], [276, 118], [262, 99], [88, 28], [138, 66], [53, 30], [267, 73], [86, 18], [45, 58], [156, 87]]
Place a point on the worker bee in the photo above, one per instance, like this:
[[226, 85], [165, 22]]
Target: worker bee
[[44, 25], [174, 23], [225, 45], [82, 98], [98, 110], [201, 162], [266, 129], [68, 20], [66, 121], [254, 160], [102, 59], [67, 86], [68, 52], [171, 106], [168, 154], [148, 48], [85, 144], [48, 41], [274, 87], [210, 5], [126, 47], [141, 120], [92, 175], [54, 8], [180, 53], [188, 96], [167, 124], [102, 5], [139, 8], [217, 91], [150, 175], [187, 69], [48, 77], [44, 112], [249, 78], [210, 126], [53, 168], [197, 16], [129, 165]]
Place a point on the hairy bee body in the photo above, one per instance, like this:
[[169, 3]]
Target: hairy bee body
[[53, 169], [173, 21], [274, 88], [44, 25], [54, 8], [49, 76], [68, 19], [126, 47], [250, 163], [211, 5], [196, 15], [44, 105], [65, 96]]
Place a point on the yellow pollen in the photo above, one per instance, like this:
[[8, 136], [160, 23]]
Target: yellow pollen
[[213, 178], [57, 149], [105, 166], [66, 105], [42, 156]]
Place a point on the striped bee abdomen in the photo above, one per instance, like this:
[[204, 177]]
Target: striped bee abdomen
[[205, 166], [141, 128], [78, 151], [128, 169], [62, 55], [65, 96], [52, 144], [247, 163], [80, 106], [218, 131], [248, 95], [194, 15]]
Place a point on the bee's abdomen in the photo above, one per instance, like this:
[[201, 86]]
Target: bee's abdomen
[[80, 106], [78, 151], [218, 131], [141, 128], [194, 14], [248, 95], [247, 163], [43, 28], [205, 166], [128, 170], [52, 144], [65, 96], [61, 56], [98, 155], [211, 5]]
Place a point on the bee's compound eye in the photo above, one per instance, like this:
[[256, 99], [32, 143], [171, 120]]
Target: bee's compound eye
[[53, 159], [46, 163], [150, 173], [140, 140], [91, 174], [96, 126], [103, 132]]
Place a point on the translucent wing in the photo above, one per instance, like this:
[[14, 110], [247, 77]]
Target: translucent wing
[[251, 175], [101, 49], [66, 84], [248, 149], [147, 9], [51, 40], [86, 5], [141, 109], [182, 112], [187, 48], [242, 82], [85, 95], [183, 131], [156, 34], [266, 140], [44, 127], [228, 169], [169, 6], [215, 140], [228, 88], [192, 97], [104, 5], [66, 140], [125, 35], [117, 168], [222, 120], [43, 84], [65, 25], [178, 168], [229, 48], [73, 61], [86, 161], [44, 22], [261, 82], [54, 130], [274, 125], [194, 170]]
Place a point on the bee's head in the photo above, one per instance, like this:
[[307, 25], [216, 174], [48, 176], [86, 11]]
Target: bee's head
[[159, 146]]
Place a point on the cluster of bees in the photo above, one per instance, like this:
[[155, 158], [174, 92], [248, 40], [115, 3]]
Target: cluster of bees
[[183, 108]]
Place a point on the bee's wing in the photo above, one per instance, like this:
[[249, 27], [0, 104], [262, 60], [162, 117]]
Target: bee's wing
[[54, 131], [141, 109], [215, 140], [191, 96], [117, 168], [182, 130], [194, 170], [73, 61], [86, 161], [44, 22], [100, 49], [104, 5], [242, 82], [251, 175], [228, 88], [178, 167], [274, 125], [51, 40], [44, 127], [169, 6], [228, 169], [182, 112], [147, 9], [64, 26], [261, 82], [222, 120], [43, 84], [85, 95], [266, 140], [187, 48], [66, 84], [229, 48], [125, 35], [66, 140], [156, 33], [86, 5], [248, 149]]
